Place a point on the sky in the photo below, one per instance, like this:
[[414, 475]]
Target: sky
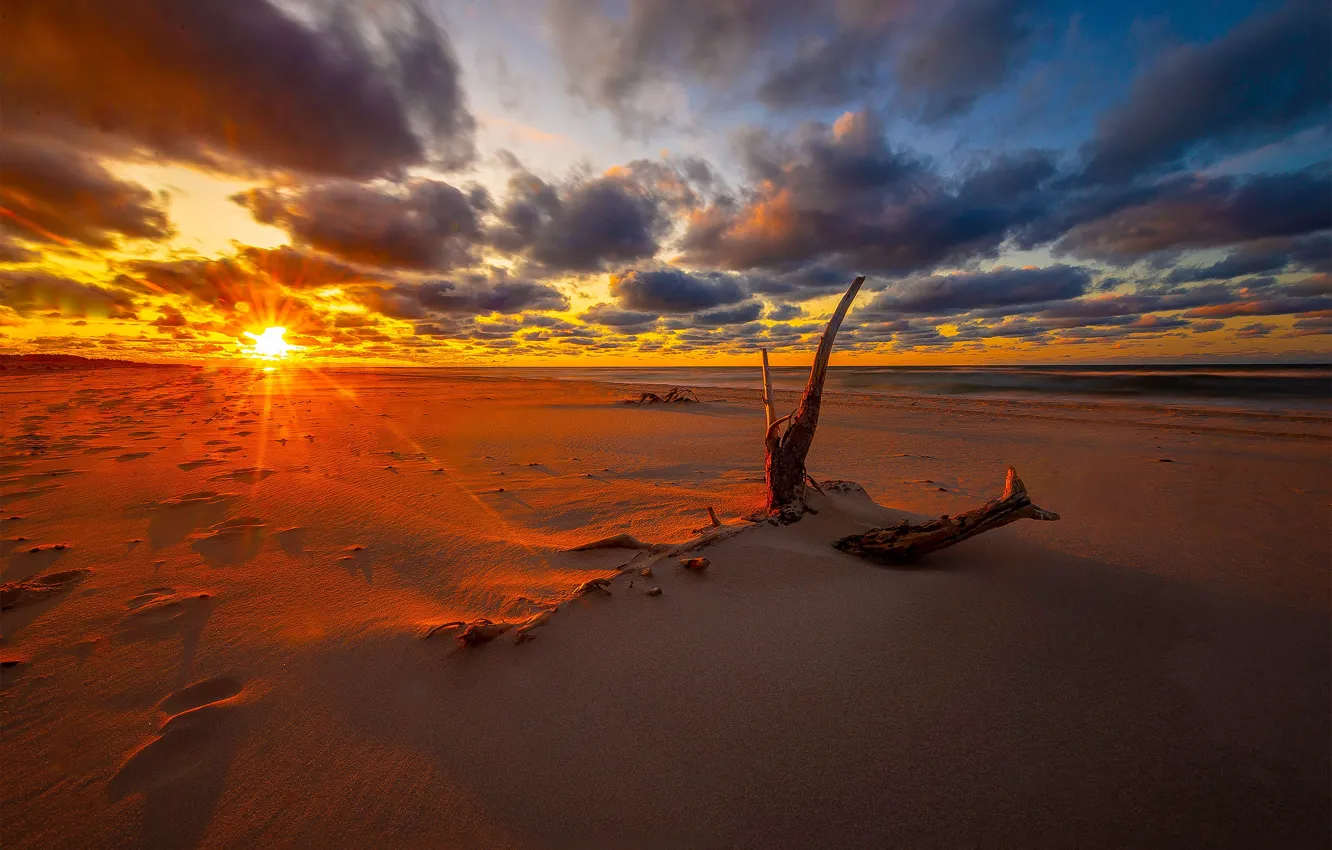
[[639, 182]]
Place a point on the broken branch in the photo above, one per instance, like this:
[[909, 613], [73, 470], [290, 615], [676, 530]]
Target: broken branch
[[905, 542]]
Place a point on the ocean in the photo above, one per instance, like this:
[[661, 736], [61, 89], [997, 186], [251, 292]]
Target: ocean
[[1285, 386]]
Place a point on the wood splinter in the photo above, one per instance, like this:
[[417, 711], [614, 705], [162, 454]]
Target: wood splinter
[[904, 542]]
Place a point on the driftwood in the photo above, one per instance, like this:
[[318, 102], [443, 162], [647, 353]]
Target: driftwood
[[676, 395], [784, 469], [905, 542], [786, 477]]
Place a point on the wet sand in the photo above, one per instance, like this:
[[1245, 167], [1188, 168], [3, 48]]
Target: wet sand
[[217, 586]]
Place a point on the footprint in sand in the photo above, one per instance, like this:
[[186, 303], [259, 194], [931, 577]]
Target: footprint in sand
[[202, 693], [193, 738], [232, 542], [195, 464], [150, 595], [9, 496], [16, 594], [33, 560], [171, 520], [249, 475], [165, 616], [131, 456], [292, 540]]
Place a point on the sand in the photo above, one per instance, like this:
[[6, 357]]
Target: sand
[[220, 582]]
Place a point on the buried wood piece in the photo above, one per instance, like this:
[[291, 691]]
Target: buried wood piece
[[593, 585], [905, 542], [621, 541], [474, 633], [524, 630], [784, 469], [695, 563], [713, 522]]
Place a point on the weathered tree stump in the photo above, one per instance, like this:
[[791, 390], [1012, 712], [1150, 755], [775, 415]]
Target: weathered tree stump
[[784, 469]]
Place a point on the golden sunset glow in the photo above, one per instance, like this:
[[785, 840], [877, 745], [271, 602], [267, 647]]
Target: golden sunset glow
[[270, 344]]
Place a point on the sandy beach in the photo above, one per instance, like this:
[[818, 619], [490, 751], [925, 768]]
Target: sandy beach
[[218, 582]]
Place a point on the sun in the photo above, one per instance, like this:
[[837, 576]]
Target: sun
[[270, 345]]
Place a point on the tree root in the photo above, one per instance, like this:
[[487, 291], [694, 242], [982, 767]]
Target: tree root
[[906, 542]]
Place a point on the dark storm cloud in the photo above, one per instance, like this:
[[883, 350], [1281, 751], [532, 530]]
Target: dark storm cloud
[[57, 194], [968, 51], [421, 224], [784, 312], [32, 292], [940, 57], [1237, 264], [298, 269], [13, 252], [1002, 287], [366, 91], [587, 223], [1214, 212], [739, 314], [1262, 80], [843, 192], [612, 316], [675, 291], [473, 295]]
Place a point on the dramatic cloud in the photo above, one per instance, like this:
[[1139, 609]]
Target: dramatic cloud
[[675, 291], [1001, 287], [939, 57], [358, 94], [590, 223], [967, 51], [612, 316], [1265, 78], [421, 224], [29, 292], [12, 252], [1207, 213], [474, 295], [55, 194], [841, 191]]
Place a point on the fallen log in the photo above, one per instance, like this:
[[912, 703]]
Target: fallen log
[[905, 542]]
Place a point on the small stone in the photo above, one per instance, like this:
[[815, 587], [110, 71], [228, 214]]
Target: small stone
[[646, 572], [34, 550], [1164, 460], [652, 591], [695, 563]]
